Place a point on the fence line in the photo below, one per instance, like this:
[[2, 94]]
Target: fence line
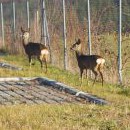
[[61, 21]]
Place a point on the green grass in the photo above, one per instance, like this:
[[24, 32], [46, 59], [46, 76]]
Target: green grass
[[66, 116]]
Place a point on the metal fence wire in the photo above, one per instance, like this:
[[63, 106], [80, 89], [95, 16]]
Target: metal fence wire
[[58, 24]]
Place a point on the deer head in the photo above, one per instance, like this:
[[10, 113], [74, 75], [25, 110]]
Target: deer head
[[25, 35], [77, 46]]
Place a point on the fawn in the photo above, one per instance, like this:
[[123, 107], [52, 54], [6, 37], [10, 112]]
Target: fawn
[[94, 63], [34, 49]]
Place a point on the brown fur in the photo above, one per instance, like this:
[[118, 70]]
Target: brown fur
[[34, 49], [94, 63]]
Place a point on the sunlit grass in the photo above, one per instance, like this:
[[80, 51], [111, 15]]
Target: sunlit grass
[[83, 117], [66, 116]]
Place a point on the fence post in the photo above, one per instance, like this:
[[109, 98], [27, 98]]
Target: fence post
[[89, 34], [44, 29], [43, 23], [120, 42], [89, 29], [2, 24], [65, 46], [28, 16], [48, 37], [14, 23]]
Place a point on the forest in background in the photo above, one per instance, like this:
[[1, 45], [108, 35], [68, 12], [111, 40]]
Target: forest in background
[[104, 28], [102, 12]]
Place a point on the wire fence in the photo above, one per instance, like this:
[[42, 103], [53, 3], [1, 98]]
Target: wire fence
[[104, 16]]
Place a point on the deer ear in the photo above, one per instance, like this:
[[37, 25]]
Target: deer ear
[[22, 30], [28, 29], [79, 41]]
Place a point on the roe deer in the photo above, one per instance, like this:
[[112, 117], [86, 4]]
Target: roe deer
[[34, 49], [94, 63]]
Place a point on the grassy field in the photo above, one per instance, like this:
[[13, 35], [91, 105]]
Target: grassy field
[[116, 116]]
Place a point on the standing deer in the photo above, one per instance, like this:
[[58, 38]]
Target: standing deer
[[34, 49], [94, 63]]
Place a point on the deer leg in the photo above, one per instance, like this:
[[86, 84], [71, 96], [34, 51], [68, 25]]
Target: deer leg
[[43, 58], [40, 61], [101, 76], [99, 69], [30, 60], [87, 76], [45, 64], [81, 75], [95, 73]]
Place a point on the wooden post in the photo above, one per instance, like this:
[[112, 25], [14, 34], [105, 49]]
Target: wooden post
[[2, 24], [89, 34], [89, 29], [120, 43], [28, 16], [43, 23], [65, 45], [14, 20]]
